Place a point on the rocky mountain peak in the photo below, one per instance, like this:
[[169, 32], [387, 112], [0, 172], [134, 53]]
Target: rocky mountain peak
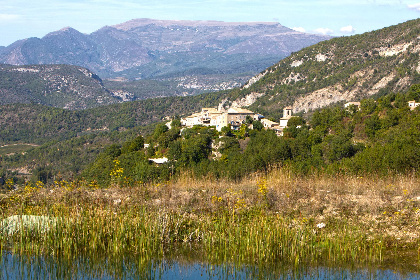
[[64, 31]]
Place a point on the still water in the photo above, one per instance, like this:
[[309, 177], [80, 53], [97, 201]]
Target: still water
[[13, 266]]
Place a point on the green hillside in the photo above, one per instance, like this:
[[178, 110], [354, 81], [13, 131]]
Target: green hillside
[[338, 70], [29, 123], [63, 86], [379, 67], [379, 138]]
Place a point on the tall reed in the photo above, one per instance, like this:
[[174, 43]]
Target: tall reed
[[246, 238]]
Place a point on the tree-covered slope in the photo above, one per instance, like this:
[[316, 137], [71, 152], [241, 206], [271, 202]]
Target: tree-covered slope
[[76, 88], [30, 123], [69, 140], [382, 137], [338, 70], [62, 86], [379, 138]]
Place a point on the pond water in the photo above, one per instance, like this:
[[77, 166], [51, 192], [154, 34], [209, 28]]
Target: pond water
[[13, 266]]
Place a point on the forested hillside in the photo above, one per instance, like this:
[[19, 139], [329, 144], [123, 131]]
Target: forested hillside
[[63, 86], [29, 123], [338, 70], [381, 137], [77, 88]]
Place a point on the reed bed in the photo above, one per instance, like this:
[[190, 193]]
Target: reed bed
[[268, 218], [222, 238]]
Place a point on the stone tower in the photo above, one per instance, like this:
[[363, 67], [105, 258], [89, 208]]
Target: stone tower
[[287, 112]]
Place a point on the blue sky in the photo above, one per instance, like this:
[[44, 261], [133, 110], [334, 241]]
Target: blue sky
[[21, 19]]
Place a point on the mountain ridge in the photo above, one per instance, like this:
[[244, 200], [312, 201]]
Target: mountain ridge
[[146, 21], [146, 48], [338, 70]]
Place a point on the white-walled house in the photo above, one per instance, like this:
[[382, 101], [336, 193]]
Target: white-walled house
[[207, 117], [278, 130], [413, 104], [190, 121], [269, 124], [159, 160], [357, 104], [234, 116]]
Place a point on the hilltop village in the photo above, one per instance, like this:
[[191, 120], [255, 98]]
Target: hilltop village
[[234, 117]]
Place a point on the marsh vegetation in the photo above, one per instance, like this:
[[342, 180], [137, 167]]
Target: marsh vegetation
[[268, 218]]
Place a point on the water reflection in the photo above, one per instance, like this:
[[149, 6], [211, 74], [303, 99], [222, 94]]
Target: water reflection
[[14, 266]]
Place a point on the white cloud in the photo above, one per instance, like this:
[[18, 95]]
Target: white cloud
[[299, 29], [324, 31], [415, 7], [348, 29], [8, 17]]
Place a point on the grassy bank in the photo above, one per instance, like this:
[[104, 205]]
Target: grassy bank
[[273, 217]]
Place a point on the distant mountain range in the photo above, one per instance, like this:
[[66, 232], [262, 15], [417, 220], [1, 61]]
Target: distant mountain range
[[146, 48]]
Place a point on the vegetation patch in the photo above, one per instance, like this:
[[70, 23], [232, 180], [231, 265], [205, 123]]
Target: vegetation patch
[[264, 219], [15, 149]]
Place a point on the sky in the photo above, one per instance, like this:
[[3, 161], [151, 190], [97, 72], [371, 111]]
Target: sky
[[20, 19]]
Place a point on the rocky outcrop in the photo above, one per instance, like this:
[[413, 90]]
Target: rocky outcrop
[[319, 99], [247, 100], [254, 79], [336, 93]]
